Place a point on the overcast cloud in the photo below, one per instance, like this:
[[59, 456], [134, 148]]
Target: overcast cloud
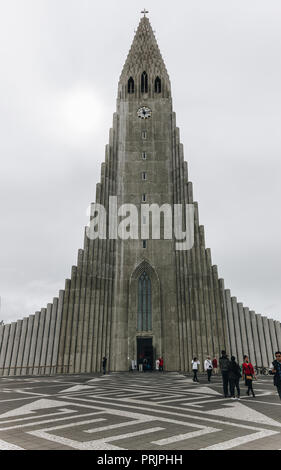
[[60, 61]]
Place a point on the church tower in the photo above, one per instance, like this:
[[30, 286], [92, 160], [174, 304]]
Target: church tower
[[139, 298]]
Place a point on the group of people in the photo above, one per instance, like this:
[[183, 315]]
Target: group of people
[[145, 364], [210, 366], [232, 372]]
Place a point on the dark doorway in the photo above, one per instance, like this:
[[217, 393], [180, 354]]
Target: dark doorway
[[145, 353]]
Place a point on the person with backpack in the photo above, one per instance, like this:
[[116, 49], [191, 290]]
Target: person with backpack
[[234, 376], [277, 372], [249, 374], [195, 363], [208, 366], [224, 366]]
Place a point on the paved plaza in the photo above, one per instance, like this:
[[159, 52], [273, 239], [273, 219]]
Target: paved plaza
[[135, 411]]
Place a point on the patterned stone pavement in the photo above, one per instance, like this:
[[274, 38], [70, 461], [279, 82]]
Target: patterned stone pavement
[[135, 411]]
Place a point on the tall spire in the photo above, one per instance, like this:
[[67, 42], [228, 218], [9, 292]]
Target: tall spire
[[144, 53]]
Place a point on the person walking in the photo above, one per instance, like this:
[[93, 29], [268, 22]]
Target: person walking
[[157, 362], [208, 366], [224, 366], [215, 365], [195, 363], [104, 361], [161, 364], [277, 372], [234, 376], [249, 374]]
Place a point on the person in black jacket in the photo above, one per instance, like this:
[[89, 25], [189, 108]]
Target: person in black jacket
[[277, 372], [234, 376], [224, 363], [104, 360]]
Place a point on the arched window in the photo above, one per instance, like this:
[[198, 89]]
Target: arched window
[[157, 85], [131, 85], [144, 303], [144, 82]]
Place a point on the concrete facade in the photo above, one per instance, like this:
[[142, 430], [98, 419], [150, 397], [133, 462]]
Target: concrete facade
[[96, 315]]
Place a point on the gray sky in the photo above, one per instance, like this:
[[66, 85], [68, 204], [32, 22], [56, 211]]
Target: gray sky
[[60, 61]]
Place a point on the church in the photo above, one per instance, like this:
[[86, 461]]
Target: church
[[139, 298]]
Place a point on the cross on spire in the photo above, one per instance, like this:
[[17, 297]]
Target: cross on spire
[[144, 11]]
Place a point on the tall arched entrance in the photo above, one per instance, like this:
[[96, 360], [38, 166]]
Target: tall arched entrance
[[144, 319]]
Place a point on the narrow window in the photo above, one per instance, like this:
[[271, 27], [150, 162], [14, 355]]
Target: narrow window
[[144, 243], [144, 83], [143, 135], [131, 85], [144, 156], [144, 176], [143, 197], [144, 303], [157, 85]]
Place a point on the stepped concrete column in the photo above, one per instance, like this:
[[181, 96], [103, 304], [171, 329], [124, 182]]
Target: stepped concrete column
[[45, 339], [251, 350], [230, 323], [4, 348], [55, 354], [239, 356], [268, 345], [27, 344], [50, 344], [33, 343], [262, 340], [245, 349], [273, 336], [21, 346], [278, 333], [10, 349], [15, 348], [39, 342], [257, 346]]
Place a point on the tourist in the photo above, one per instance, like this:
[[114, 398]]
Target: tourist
[[144, 364], [208, 366], [133, 365], [224, 366], [195, 363], [277, 372], [215, 365], [249, 374], [234, 376], [161, 364], [157, 362], [104, 360]]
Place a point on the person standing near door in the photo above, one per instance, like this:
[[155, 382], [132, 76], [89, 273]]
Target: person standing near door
[[161, 364]]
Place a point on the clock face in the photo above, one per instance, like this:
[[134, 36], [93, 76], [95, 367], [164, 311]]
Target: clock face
[[144, 112]]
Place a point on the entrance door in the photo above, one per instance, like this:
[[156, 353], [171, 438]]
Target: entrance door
[[145, 353]]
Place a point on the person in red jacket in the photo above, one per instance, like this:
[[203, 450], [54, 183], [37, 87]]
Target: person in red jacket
[[161, 364], [249, 373], [215, 365]]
